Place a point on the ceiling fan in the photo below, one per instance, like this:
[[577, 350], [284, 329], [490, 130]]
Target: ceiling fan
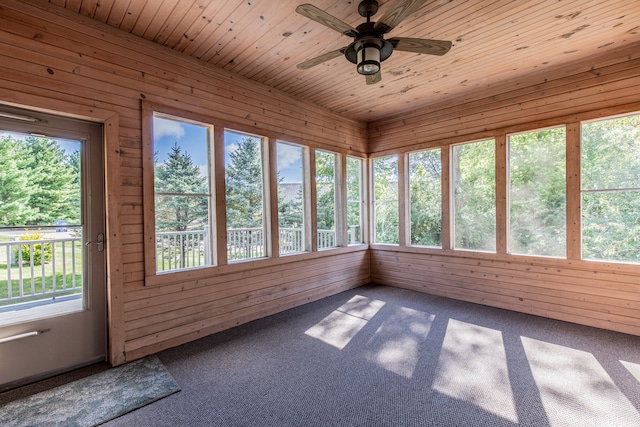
[[369, 48]]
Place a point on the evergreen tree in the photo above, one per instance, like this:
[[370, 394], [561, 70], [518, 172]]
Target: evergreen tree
[[73, 161], [290, 212], [15, 190], [181, 205], [50, 181], [244, 190]]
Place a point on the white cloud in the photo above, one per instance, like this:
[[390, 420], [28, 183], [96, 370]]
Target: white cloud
[[163, 127], [231, 148], [288, 155]]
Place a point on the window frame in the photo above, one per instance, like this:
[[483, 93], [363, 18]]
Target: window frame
[[337, 208], [306, 190], [409, 226], [149, 193], [398, 200], [266, 200], [581, 191], [220, 264], [508, 185], [452, 198], [362, 202]]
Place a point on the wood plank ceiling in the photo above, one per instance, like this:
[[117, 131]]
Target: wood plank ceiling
[[495, 41]]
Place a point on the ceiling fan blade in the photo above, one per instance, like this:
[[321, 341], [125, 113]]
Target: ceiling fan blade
[[374, 78], [396, 14], [429, 47], [320, 59], [322, 17]]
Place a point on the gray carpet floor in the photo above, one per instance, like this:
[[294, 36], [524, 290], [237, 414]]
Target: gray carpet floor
[[381, 356]]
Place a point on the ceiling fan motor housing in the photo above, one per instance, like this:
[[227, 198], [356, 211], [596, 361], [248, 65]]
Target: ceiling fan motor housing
[[368, 50]]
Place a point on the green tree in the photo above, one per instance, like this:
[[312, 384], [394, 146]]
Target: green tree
[[244, 191], [474, 195], [611, 203], [290, 212], [51, 181], [537, 193], [354, 199], [385, 187], [182, 206], [15, 191], [425, 170], [325, 190], [74, 162]]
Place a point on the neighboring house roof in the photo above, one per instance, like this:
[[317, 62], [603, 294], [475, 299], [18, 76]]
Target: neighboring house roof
[[289, 190]]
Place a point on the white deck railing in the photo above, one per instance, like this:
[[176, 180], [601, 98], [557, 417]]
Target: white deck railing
[[181, 249], [186, 249], [39, 269], [24, 277]]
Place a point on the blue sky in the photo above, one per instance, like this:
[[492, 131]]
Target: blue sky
[[193, 139]]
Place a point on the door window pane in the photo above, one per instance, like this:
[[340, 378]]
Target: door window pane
[[41, 229], [355, 200], [182, 194], [385, 200], [244, 178], [610, 179], [326, 199], [425, 190], [474, 195], [537, 193], [291, 198]]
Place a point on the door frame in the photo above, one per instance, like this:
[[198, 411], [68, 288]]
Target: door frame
[[113, 200], [76, 332]]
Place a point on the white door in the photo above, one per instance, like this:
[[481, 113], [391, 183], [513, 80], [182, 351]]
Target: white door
[[52, 259]]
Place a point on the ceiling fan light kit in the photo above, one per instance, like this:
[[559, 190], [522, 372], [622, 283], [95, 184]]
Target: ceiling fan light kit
[[369, 47]]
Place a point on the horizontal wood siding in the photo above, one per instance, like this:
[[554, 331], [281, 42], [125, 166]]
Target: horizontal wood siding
[[600, 294], [173, 314], [610, 81], [59, 61], [588, 293]]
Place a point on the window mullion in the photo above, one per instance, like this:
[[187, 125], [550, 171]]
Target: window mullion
[[574, 226], [219, 221], [502, 201]]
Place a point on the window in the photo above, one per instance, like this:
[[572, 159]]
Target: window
[[182, 187], [244, 187], [474, 195], [537, 193], [326, 199], [291, 198], [610, 180], [425, 171], [385, 200], [355, 200]]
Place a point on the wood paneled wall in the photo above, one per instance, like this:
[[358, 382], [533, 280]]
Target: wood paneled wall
[[600, 294], [58, 61]]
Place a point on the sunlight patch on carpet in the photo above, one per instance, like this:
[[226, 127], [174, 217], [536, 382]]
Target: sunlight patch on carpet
[[574, 388], [344, 323], [93, 400], [473, 367], [396, 344], [634, 368]]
